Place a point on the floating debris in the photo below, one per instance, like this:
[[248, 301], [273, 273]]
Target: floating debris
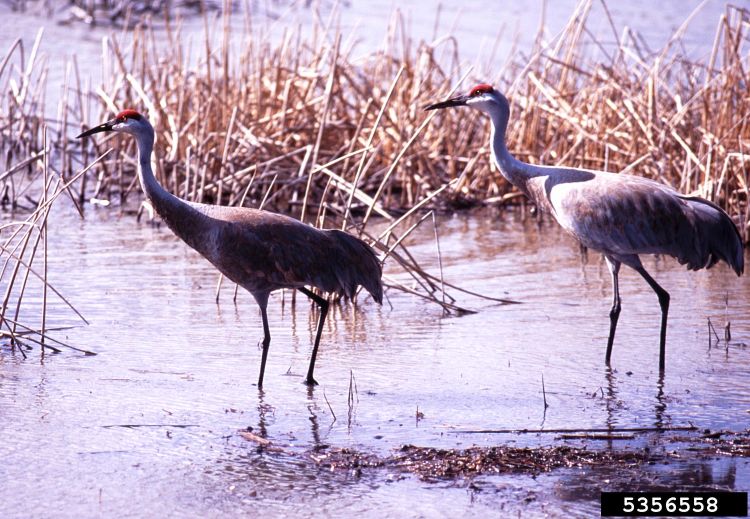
[[433, 463]]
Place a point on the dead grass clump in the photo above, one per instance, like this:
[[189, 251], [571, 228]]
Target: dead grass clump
[[214, 153]]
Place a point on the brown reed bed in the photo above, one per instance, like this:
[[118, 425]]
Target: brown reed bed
[[657, 114], [299, 121], [343, 137]]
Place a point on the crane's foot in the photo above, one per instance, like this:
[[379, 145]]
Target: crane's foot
[[310, 381]]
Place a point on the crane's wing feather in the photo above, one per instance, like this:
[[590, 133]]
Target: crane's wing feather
[[625, 215], [271, 251]]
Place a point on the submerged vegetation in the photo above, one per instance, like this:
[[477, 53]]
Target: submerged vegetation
[[295, 120]]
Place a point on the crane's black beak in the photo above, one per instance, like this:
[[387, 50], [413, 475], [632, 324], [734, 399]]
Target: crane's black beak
[[105, 127], [454, 101]]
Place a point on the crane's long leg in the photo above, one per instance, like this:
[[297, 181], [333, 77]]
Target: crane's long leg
[[263, 303], [614, 313], [664, 303], [323, 304]]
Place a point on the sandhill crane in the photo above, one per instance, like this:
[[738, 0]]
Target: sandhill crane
[[620, 216], [259, 250]]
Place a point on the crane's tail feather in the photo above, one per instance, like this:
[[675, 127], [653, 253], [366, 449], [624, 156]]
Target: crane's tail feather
[[358, 265], [719, 236]]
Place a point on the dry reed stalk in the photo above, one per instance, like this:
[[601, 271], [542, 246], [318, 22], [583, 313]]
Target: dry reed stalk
[[22, 83], [18, 251]]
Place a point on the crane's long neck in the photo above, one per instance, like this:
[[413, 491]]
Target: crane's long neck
[[183, 218], [154, 191], [516, 172]]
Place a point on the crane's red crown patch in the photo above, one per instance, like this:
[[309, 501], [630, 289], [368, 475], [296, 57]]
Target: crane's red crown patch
[[481, 89], [129, 114]]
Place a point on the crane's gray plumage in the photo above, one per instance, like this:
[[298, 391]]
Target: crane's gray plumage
[[619, 215], [259, 250]]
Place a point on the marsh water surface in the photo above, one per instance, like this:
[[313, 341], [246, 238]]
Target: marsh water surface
[[150, 424]]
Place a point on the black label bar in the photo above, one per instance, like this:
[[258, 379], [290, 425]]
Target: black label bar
[[666, 504]]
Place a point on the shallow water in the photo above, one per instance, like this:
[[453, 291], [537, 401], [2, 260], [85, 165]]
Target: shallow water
[[155, 415], [149, 426]]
